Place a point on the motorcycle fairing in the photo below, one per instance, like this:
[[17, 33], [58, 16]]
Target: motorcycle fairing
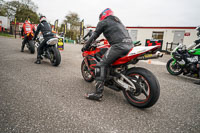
[[134, 52], [140, 49], [195, 51], [97, 50]]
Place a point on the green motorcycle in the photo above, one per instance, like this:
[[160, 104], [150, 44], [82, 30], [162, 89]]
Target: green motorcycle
[[184, 60]]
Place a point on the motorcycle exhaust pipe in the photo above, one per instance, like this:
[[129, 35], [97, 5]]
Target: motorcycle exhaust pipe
[[158, 54]]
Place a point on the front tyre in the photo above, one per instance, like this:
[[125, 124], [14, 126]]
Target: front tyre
[[55, 56], [86, 73], [147, 88], [174, 69], [31, 47]]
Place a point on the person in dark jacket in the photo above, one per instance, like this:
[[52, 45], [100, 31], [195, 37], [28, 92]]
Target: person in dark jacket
[[198, 35], [46, 30], [118, 37]]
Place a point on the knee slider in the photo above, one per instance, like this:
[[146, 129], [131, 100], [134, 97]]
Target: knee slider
[[99, 68]]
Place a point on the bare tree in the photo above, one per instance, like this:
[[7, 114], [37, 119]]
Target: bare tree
[[74, 21]]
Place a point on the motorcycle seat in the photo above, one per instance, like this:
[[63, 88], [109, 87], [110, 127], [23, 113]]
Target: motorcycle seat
[[193, 51], [52, 41]]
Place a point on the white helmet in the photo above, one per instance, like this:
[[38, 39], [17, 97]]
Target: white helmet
[[27, 21], [43, 18]]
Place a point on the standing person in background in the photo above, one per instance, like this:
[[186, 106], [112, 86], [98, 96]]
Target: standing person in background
[[197, 42]]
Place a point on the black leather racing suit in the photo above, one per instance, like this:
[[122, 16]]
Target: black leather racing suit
[[46, 30], [120, 41]]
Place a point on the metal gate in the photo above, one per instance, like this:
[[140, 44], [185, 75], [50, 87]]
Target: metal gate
[[133, 34], [178, 36]]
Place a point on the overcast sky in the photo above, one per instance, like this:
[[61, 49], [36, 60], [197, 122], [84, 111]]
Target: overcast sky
[[131, 12]]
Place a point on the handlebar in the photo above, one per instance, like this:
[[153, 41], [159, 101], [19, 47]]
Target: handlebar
[[95, 43]]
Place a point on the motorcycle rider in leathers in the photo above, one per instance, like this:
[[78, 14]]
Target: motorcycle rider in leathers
[[120, 41], [197, 42], [26, 28], [46, 30]]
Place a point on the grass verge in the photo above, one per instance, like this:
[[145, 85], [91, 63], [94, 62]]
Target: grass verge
[[5, 34]]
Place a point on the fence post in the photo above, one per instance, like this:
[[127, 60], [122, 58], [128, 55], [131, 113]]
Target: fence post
[[15, 29], [171, 46], [166, 46]]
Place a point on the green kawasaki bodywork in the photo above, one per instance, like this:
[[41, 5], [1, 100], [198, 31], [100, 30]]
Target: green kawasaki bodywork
[[194, 51]]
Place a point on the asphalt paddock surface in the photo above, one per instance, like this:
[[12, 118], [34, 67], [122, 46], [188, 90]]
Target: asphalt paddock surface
[[46, 99]]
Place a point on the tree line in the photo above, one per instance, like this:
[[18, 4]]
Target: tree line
[[21, 10], [27, 9]]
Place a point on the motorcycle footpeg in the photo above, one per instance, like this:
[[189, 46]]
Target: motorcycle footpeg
[[113, 87]]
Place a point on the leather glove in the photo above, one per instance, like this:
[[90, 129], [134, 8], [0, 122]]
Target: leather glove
[[83, 49]]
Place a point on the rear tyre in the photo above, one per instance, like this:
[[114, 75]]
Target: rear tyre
[[55, 56], [147, 88], [85, 73], [175, 69], [31, 47]]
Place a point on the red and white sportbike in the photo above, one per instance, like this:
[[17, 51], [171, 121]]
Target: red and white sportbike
[[140, 87]]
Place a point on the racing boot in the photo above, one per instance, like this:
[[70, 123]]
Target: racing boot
[[38, 61], [99, 92], [198, 82], [41, 58], [23, 45], [22, 48]]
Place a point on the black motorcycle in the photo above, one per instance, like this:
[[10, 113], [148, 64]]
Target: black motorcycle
[[50, 51]]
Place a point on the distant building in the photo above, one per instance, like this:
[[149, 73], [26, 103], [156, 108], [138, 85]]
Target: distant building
[[18, 28], [185, 35], [5, 22]]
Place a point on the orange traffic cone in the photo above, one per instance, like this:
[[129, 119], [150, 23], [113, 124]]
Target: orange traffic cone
[[149, 61]]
